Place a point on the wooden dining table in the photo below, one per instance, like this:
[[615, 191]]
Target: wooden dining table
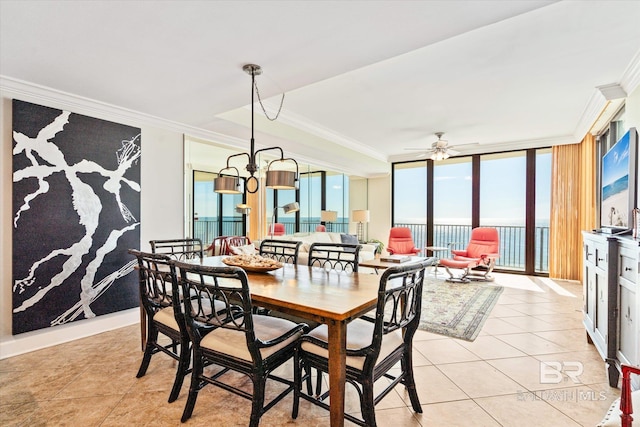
[[329, 297]]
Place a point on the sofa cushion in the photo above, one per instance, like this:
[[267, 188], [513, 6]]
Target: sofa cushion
[[350, 239], [241, 250]]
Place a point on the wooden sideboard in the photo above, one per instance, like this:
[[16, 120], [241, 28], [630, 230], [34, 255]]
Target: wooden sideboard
[[612, 299]]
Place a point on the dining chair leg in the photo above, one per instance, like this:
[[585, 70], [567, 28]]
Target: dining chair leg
[[196, 373], [297, 384], [307, 372], [152, 338], [258, 401], [366, 403], [181, 372], [406, 364], [319, 383]]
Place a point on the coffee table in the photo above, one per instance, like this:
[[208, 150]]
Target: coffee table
[[434, 250], [376, 264]]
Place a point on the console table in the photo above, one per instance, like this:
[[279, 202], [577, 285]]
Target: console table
[[612, 299]]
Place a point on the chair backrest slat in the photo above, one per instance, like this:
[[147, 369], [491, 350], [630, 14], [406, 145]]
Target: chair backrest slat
[[335, 256], [179, 249], [281, 250]]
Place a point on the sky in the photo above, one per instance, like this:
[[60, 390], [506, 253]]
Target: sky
[[502, 191]]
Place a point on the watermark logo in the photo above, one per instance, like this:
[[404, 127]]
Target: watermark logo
[[567, 395], [553, 372]]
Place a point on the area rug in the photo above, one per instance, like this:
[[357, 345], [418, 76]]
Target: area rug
[[457, 310]]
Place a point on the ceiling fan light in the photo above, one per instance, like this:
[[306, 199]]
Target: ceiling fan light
[[439, 154]]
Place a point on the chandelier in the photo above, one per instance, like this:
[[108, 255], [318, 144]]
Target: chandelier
[[277, 179]]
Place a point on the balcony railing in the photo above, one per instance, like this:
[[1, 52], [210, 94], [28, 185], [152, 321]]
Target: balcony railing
[[207, 230], [512, 242]]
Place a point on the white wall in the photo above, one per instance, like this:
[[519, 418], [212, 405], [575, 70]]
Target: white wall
[[380, 208], [161, 207]]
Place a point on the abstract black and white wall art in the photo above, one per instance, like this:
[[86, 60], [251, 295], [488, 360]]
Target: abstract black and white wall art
[[76, 212]]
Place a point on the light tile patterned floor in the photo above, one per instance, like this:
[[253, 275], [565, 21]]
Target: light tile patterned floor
[[494, 381]]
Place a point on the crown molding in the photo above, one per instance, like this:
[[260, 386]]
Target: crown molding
[[591, 113], [31, 92], [631, 76], [606, 99]]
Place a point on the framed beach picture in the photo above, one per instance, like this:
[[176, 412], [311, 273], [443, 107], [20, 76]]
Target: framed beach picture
[[618, 195]]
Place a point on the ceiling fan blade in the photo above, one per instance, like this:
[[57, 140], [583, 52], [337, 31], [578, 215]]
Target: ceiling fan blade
[[452, 152], [416, 149]]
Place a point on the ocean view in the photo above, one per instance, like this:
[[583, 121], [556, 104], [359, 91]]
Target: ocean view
[[454, 234]]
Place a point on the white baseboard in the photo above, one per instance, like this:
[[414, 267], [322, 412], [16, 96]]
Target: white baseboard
[[24, 343]]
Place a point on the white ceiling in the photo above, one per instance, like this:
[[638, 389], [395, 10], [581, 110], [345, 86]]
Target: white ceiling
[[363, 79]]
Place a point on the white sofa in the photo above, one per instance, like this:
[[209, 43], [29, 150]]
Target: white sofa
[[367, 252]]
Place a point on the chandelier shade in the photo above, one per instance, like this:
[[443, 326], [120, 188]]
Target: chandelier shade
[[281, 180], [227, 185]]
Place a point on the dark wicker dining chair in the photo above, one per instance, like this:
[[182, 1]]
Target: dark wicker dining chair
[[178, 249], [335, 256], [374, 345], [161, 302], [237, 339], [285, 251]]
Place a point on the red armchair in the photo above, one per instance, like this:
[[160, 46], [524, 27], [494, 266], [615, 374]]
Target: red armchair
[[278, 229], [401, 242], [481, 253]]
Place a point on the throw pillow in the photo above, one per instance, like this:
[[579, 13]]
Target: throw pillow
[[349, 239], [241, 250]]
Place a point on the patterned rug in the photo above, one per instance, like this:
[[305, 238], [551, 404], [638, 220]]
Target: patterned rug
[[457, 310]]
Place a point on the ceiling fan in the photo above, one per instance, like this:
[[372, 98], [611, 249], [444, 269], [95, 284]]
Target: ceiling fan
[[439, 150]]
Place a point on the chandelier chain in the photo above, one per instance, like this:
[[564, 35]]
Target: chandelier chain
[[255, 84]]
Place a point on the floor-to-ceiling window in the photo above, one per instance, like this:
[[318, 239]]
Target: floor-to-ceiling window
[[503, 203], [319, 191], [337, 199], [311, 196], [444, 200], [452, 207], [542, 209], [409, 199], [211, 215]]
